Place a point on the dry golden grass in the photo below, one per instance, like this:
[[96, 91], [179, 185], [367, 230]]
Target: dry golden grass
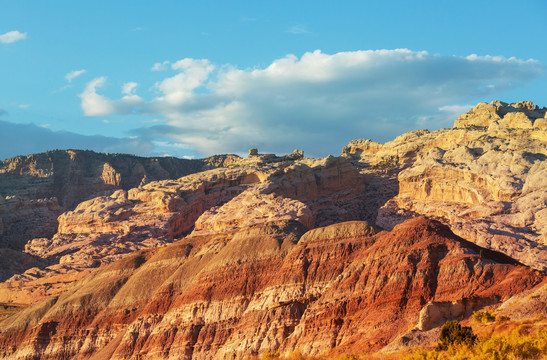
[[501, 339]]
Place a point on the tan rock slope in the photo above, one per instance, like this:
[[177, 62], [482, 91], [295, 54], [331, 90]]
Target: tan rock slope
[[58, 180], [486, 177], [36, 189], [257, 189]]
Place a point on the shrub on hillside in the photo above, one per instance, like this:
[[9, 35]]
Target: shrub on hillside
[[270, 355], [516, 345], [452, 333], [483, 317]]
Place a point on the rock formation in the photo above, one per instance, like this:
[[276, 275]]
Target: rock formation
[[258, 189], [265, 287], [46, 184], [271, 253], [486, 177], [36, 189]]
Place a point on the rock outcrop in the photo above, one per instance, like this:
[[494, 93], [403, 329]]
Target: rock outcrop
[[36, 189], [486, 177], [257, 189], [266, 287], [44, 185], [270, 253]]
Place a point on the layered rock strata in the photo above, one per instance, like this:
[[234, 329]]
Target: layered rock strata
[[36, 189], [486, 177], [265, 287], [244, 275], [257, 189]]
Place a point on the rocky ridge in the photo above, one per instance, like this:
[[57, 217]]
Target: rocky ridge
[[244, 275], [36, 189], [485, 177], [257, 189]]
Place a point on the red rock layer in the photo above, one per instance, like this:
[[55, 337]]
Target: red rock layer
[[263, 288]]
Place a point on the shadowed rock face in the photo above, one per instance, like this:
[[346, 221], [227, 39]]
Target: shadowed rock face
[[256, 190], [35, 189], [261, 288]]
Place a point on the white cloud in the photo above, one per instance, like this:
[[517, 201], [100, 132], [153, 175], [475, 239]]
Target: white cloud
[[129, 88], [12, 36], [317, 102], [161, 66], [94, 104], [24, 106], [74, 74], [453, 111], [193, 73]]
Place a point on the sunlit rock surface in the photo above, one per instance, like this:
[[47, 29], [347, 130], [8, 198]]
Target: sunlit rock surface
[[282, 253], [485, 178], [267, 287]]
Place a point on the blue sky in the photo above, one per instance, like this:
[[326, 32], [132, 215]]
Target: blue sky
[[192, 79]]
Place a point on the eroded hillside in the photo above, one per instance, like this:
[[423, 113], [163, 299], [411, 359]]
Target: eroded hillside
[[289, 253], [265, 287]]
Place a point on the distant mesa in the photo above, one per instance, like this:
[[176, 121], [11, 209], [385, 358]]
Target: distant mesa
[[497, 114], [295, 155]]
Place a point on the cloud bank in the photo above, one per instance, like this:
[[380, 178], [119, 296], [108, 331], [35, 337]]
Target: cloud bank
[[317, 102], [12, 36], [25, 139]]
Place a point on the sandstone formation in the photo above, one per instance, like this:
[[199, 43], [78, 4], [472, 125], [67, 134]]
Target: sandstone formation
[[269, 253], [486, 177], [258, 189], [266, 287], [48, 183], [527, 304], [36, 189], [16, 261], [22, 219]]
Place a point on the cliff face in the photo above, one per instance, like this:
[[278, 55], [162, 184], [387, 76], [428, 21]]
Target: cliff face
[[257, 189], [285, 253], [485, 178], [261, 288], [36, 189]]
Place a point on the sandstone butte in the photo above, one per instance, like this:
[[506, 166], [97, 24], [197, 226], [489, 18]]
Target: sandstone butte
[[371, 250]]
